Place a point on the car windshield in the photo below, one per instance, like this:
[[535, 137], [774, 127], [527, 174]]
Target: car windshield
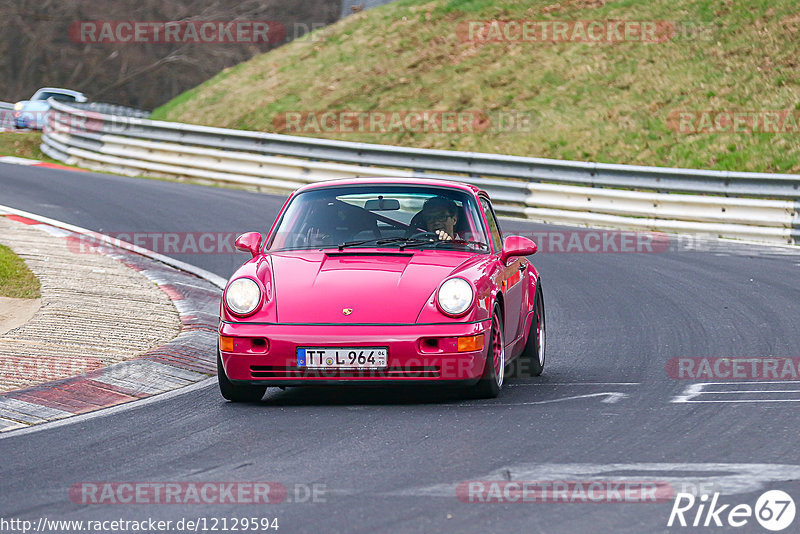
[[61, 97], [381, 216]]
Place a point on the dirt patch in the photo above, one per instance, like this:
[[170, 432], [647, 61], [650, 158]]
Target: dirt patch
[[16, 312]]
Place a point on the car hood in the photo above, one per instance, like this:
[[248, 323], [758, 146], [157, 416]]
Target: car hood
[[35, 105], [384, 287]]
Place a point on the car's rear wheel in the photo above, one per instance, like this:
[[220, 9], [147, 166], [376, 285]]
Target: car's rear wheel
[[237, 392], [534, 352], [494, 370]]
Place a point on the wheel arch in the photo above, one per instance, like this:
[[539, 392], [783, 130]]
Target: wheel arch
[[537, 289], [499, 300]]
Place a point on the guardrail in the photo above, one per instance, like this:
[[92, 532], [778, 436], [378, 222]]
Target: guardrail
[[112, 109], [753, 206]]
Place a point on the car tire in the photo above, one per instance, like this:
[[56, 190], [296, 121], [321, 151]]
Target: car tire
[[237, 392], [491, 382], [534, 351]]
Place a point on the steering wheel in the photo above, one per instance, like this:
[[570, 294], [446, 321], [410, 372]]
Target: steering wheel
[[422, 235]]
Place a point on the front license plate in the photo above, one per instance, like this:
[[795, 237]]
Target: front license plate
[[343, 357]]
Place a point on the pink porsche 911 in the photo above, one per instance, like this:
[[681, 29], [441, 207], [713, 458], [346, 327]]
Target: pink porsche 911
[[378, 281]]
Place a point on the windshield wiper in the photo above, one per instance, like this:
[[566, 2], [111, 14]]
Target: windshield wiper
[[460, 242], [384, 241], [407, 241]]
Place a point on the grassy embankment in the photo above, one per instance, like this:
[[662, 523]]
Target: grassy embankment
[[609, 102], [22, 145]]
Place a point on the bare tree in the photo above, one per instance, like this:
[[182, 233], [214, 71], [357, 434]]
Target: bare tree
[[36, 49]]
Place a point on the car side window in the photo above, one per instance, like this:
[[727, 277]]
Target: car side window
[[494, 227]]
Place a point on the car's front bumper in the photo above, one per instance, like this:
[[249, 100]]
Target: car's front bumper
[[267, 354], [34, 120]]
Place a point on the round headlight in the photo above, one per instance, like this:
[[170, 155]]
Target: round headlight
[[18, 106], [455, 296], [243, 296]]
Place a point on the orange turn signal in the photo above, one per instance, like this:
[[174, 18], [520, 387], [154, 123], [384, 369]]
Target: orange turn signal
[[225, 344], [470, 343]]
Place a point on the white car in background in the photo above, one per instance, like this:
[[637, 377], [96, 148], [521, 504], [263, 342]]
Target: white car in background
[[33, 113]]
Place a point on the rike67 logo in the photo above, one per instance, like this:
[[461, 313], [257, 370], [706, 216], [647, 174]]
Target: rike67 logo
[[774, 510]]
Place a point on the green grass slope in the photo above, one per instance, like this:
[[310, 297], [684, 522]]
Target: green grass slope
[[22, 145], [606, 101], [16, 280]]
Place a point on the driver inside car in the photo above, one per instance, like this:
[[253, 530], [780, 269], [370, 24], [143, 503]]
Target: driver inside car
[[440, 216]]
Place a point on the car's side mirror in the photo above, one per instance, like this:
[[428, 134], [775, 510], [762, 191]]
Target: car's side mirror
[[249, 242], [516, 245]]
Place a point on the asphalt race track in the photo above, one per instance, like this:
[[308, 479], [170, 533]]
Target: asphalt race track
[[392, 460]]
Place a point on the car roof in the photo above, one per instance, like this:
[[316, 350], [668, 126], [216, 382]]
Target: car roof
[[60, 90], [394, 181]]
